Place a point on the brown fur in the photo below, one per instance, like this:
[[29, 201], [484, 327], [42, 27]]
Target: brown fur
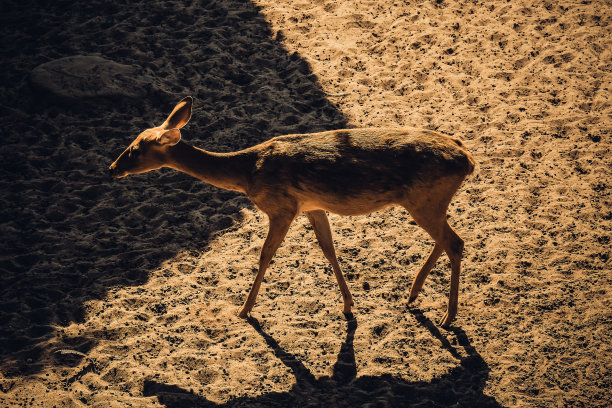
[[348, 172]]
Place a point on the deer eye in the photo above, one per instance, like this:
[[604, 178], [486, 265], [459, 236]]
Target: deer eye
[[135, 152]]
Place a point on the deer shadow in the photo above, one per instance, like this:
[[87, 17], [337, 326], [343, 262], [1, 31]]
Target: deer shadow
[[461, 387], [68, 234]]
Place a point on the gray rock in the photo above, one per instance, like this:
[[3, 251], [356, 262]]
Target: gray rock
[[91, 78]]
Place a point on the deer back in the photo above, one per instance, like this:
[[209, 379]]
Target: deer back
[[355, 170]]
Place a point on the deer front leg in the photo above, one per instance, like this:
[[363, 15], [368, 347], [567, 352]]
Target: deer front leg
[[279, 225], [320, 224]]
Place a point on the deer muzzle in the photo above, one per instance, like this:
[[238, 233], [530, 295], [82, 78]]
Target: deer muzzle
[[113, 172]]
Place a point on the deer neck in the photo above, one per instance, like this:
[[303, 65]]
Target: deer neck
[[224, 170]]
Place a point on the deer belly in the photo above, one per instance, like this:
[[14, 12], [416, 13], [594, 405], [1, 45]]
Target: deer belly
[[348, 205]]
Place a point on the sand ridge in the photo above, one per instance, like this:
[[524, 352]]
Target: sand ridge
[[125, 293]]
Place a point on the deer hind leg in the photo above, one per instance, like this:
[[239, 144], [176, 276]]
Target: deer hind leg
[[279, 225], [419, 279], [434, 222], [320, 224], [453, 245]]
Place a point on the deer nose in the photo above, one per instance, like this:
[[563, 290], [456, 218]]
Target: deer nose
[[111, 173]]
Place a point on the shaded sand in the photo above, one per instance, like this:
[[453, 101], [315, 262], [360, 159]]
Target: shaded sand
[[125, 293]]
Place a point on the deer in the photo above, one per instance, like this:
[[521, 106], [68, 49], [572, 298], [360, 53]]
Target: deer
[[346, 172]]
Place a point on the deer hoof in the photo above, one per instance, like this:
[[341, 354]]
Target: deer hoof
[[446, 320]]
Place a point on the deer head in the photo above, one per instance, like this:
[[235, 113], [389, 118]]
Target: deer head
[[149, 151]]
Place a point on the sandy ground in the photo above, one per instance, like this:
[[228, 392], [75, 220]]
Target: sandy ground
[[125, 293]]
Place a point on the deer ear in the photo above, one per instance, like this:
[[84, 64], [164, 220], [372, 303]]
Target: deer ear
[[180, 114], [169, 137]]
